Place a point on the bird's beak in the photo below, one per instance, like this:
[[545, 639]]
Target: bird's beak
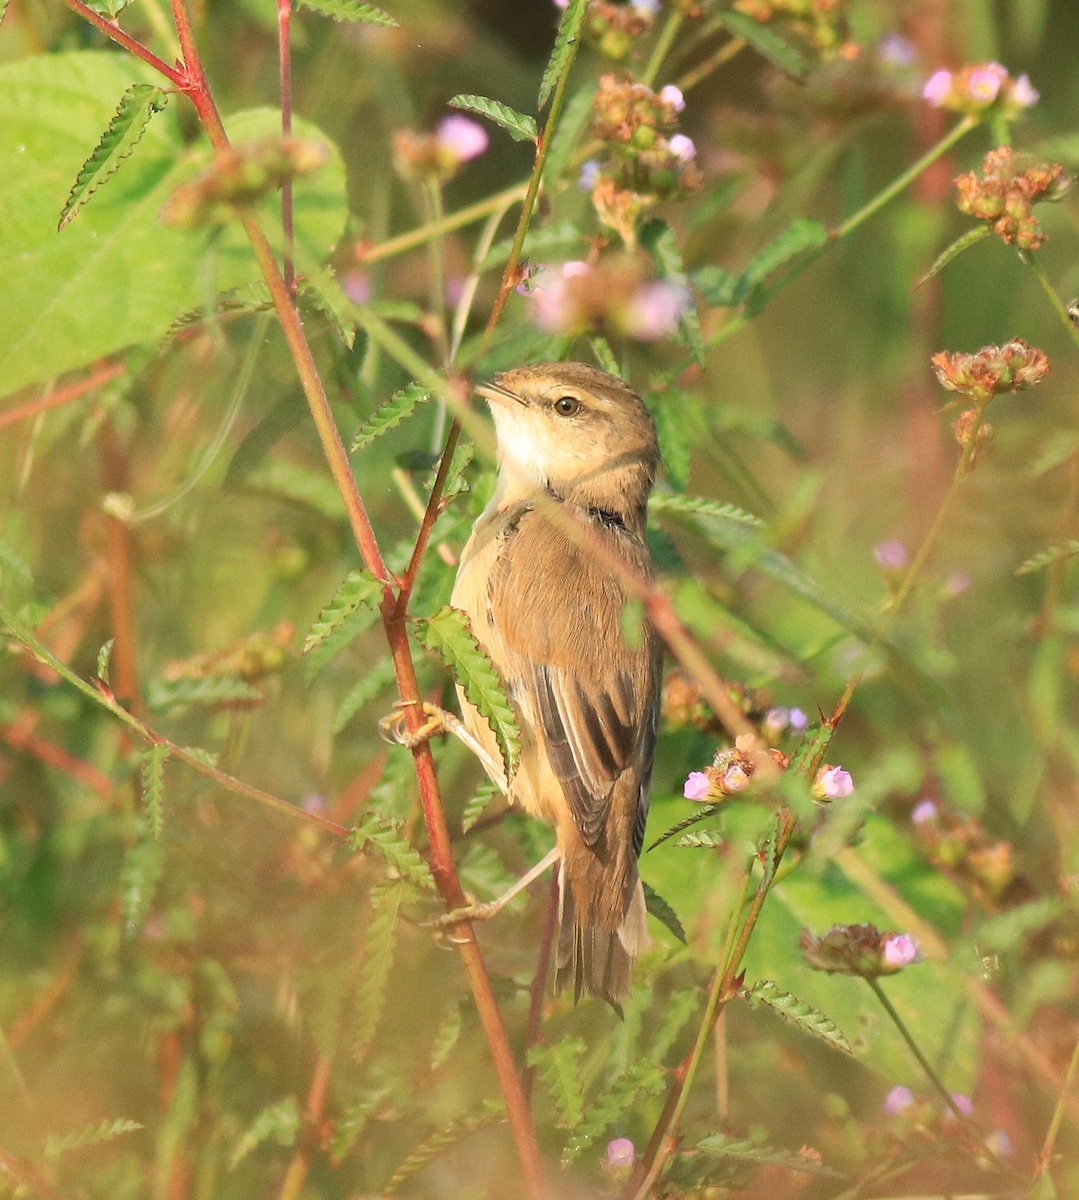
[[499, 394]]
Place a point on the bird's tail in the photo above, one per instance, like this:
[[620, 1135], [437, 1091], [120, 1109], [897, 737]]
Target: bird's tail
[[602, 925]]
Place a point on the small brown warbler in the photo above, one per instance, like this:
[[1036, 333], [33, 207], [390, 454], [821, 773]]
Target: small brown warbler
[[577, 458]]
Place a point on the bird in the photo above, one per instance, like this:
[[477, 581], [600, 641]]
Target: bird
[[542, 579]]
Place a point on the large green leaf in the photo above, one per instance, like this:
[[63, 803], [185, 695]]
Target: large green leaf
[[117, 276]]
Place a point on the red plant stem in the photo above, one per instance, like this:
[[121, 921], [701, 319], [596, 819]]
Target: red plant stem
[[64, 396], [284, 57], [539, 981], [56, 756], [175, 75]]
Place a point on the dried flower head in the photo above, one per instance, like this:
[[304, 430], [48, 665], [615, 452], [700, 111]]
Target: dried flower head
[[439, 155], [615, 27], [823, 23], [859, 950], [1005, 192], [992, 371], [976, 89]]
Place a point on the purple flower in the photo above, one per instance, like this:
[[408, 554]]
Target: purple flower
[[798, 720], [937, 88], [891, 555], [899, 951], [924, 812], [697, 787], [985, 82], [999, 1142], [776, 720], [654, 310], [895, 49], [956, 585], [673, 96], [835, 783], [897, 1100], [357, 286], [963, 1103], [647, 8], [590, 174], [1024, 93], [462, 138], [682, 148], [621, 1153], [735, 778]]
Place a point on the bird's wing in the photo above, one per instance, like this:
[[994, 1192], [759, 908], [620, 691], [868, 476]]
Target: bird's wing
[[594, 695]]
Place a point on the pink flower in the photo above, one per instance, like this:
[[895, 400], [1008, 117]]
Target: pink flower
[[461, 138], [937, 88], [673, 96], [985, 82], [1024, 93], [698, 786], [621, 1153], [682, 148], [891, 555], [963, 1103], [798, 720], [897, 1100], [654, 310], [898, 951], [735, 778], [924, 812], [835, 783]]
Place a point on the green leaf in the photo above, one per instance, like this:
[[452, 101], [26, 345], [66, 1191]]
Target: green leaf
[[779, 50], [712, 510], [449, 635], [565, 47], [89, 1135], [804, 1016], [153, 786], [321, 289], [658, 238], [351, 10], [559, 1067], [705, 813], [355, 1118], [376, 833], [374, 681], [485, 796], [177, 695], [718, 286], [1007, 930], [721, 1146], [279, 1122], [707, 839], [136, 109], [139, 875], [604, 355], [125, 276], [446, 1037], [381, 941], [673, 444], [662, 911], [359, 589], [970, 238], [389, 415], [1048, 556], [800, 236], [623, 1095], [488, 1112], [520, 127], [103, 657]]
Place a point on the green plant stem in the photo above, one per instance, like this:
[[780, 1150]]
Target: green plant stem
[[284, 67], [1058, 1112], [436, 262], [1034, 263], [701, 72], [64, 396], [662, 47], [403, 242], [904, 180], [176, 76]]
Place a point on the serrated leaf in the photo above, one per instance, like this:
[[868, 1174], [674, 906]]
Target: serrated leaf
[[376, 680], [695, 506], [279, 1122], [351, 10], [90, 1135], [520, 127], [673, 444], [449, 1136], [604, 355], [485, 795], [389, 415], [780, 51], [621, 1096], [320, 287], [565, 48], [707, 839], [559, 1067], [139, 876], [718, 286], [1048, 556], [153, 787], [353, 1121], [970, 238], [446, 1037], [209, 757], [379, 946], [103, 656], [804, 1016], [376, 833], [725, 1147], [174, 695], [658, 238], [359, 589], [136, 109], [800, 236], [662, 911], [695, 818], [810, 751], [449, 635]]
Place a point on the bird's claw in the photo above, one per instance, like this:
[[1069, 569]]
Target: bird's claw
[[393, 727]]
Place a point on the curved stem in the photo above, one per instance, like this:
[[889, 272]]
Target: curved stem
[[662, 47]]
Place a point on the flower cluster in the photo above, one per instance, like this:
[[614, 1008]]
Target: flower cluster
[[439, 155], [823, 23], [961, 845], [1005, 192], [614, 296], [614, 28], [644, 160], [859, 950], [975, 90], [239, 178], [992, 371]]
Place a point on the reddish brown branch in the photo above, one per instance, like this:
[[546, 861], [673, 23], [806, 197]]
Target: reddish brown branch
[[64, 396], [56, 756], [175, 75]]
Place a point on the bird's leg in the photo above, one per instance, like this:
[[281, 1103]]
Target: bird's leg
[[393, 729], [483, 912]]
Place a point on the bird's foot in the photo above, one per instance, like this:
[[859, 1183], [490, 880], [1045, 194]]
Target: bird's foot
[[468, 912], [394, 727]]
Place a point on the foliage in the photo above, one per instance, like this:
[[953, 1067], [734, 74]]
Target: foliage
[[240, 463]]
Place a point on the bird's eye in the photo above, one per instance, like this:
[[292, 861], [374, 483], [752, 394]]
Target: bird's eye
[[566, 406]]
